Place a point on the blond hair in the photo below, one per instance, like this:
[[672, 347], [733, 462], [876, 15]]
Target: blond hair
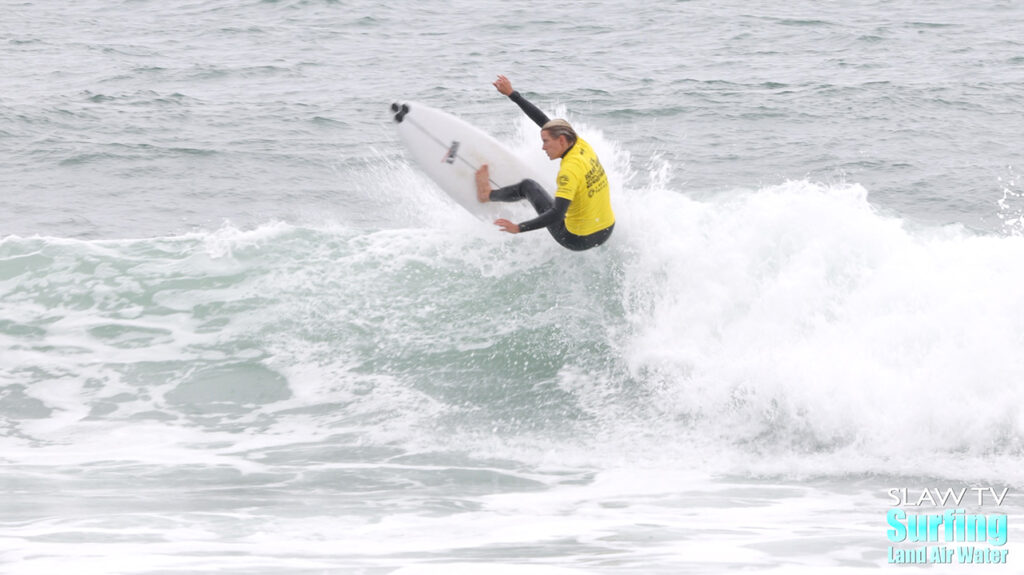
[[558, 128]]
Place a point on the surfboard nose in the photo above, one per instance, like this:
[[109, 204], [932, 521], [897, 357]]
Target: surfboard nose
[[400, 111]]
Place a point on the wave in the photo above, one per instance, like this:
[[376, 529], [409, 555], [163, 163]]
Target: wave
[[790, 330]]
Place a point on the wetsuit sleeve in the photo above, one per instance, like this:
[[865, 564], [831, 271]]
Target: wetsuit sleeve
[[554, 215], [538, 117]]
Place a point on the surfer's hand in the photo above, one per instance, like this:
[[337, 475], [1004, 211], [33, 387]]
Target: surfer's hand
[[507, 226], [503, 85]]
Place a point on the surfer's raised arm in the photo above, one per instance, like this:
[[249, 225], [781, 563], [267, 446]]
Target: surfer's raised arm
[[504, 85]]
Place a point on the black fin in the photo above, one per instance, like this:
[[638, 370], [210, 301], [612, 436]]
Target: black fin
[[400, 111]]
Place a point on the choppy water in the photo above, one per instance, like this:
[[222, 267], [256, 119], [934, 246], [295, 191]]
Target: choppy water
[[240, 333]]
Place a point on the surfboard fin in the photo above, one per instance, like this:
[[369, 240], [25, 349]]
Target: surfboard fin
[[400, 111]]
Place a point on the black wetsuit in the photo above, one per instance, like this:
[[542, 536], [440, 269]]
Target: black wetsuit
[[551, 211]]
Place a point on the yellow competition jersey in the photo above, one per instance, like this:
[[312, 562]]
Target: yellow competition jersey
[[581, 180]]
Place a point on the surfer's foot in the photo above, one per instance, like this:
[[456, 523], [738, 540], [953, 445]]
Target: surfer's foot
[[483, 184]]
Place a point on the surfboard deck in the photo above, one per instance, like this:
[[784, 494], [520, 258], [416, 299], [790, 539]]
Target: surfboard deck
[[450, 151]]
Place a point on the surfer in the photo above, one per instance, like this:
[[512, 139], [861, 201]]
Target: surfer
[[580, 215]]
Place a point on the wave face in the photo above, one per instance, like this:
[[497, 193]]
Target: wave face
[[792, 329]]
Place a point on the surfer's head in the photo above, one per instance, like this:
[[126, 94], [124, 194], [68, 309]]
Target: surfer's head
[[560, 127], [558, 136]]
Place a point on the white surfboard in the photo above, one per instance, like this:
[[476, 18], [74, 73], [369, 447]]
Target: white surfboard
[[450, 151]]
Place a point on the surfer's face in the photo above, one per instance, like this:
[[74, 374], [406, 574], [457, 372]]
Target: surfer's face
[[554, 147]]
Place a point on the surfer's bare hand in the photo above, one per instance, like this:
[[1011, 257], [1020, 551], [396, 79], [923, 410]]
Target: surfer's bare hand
[[503, 85], [507, 226]]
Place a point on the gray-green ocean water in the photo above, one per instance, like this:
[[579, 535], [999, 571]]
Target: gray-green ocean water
[[240, 333]]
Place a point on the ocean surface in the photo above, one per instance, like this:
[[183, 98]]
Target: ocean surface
[[241, 333]]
